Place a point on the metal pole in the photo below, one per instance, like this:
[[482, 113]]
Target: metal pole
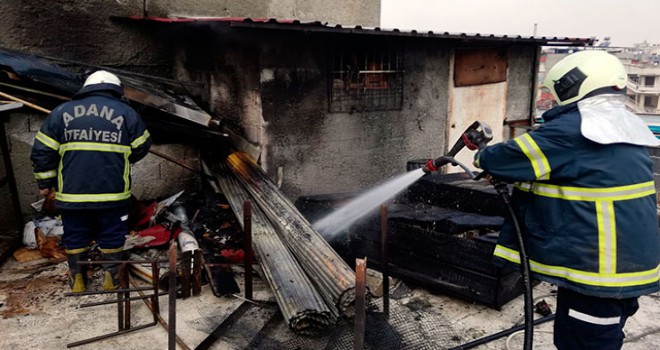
[[154, 283], [360, 302], [247, 228], [383, 257], [171, 319], [120, 309], [123, 272], [157, 318]]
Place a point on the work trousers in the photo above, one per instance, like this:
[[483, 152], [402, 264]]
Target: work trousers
[[585, 322], [108, 227]]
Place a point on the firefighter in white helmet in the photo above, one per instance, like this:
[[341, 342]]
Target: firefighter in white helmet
[[585, 195], [83, 151]]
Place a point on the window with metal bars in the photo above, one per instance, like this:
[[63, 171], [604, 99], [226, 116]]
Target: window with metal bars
[[366, 79]]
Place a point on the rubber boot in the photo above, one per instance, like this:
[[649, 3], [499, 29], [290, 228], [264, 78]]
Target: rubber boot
[[111, 271], [77, 272]]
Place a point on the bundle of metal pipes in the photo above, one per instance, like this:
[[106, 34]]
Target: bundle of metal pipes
[[296, 296], [332, 277]]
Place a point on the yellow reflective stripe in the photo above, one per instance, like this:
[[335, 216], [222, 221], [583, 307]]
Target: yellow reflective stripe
[[523, 186], [111, 250], [94, 146], [47, 140], [60, 179], [606, 237], [100, 197], [617, 193], [45, 175], [76, 251], [127, 172], [140, 140], [627, 279], [476, 161], [535, 155], [507, 253]]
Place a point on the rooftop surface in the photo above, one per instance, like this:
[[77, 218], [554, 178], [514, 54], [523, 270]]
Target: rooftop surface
[[35, 314]]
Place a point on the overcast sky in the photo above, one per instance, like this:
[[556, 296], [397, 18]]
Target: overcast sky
[[625, 21]]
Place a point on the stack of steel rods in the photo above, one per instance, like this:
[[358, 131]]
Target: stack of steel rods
[[296, 296], [333, 278]]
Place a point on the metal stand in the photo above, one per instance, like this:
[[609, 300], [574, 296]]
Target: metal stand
[[124, 299], [360, 302]]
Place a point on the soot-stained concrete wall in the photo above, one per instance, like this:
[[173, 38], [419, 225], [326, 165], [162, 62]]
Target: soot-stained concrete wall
[[83, 31], [275, 87], [322, 152]]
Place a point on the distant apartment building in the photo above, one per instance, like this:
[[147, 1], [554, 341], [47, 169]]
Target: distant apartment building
[[643, 86], [642, 65]]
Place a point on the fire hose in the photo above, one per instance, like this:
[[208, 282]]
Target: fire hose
[[477, 136]]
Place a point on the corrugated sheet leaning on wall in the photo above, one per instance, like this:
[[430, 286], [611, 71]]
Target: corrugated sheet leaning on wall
[[332, 277], [300, 304]]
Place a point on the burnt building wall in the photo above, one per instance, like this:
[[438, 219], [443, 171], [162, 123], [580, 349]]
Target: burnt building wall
[[276, 89], [323, 152], [82, 30], [317, 151], [77, 31]]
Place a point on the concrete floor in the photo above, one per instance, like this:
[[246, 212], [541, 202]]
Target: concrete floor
[[35, 314]]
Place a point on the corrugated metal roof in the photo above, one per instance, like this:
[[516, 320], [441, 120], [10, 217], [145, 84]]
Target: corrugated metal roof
[[316, 26]]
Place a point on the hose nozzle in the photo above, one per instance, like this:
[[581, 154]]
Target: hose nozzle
[[429, 167], [476, 136]]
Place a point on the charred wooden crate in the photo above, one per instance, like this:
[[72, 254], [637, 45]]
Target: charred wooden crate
[[442, 233], [456, 191]]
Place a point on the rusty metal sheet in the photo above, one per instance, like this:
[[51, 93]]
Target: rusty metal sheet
[[152, 92], [480, 66]]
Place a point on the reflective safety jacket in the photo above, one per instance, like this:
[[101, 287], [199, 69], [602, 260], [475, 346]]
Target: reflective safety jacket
[[588, 210], [85, 148]]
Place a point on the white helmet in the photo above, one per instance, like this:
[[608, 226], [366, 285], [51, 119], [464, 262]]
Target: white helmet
[[581, 73], [102, 77]]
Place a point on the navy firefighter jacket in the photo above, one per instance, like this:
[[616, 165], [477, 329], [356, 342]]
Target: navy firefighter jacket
[[588, 210], [85, 148]]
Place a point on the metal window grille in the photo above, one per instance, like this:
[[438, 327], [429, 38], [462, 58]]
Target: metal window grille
[[366, 79]]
